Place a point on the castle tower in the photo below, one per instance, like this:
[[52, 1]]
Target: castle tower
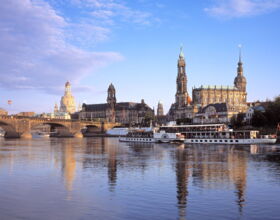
[[240, 81], [160, 109], [111, 97], [67, 102], [181, 93]]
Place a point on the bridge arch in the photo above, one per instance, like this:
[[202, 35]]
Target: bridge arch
[[56, 128], [9, 129]]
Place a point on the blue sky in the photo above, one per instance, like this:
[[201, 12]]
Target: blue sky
[[134, 45]]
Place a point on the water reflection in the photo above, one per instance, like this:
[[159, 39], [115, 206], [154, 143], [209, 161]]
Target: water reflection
[[102, 178], [182, 177]]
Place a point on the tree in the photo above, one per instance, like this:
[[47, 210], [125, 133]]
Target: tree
[[237, 120], [259, 119], [272, 112]]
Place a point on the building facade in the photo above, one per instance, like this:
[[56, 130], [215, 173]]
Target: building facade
[[232, 98], [123, 112]]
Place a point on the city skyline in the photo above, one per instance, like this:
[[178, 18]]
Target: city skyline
[[134, 45]]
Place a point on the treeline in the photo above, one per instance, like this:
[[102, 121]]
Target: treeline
[[269, 118]]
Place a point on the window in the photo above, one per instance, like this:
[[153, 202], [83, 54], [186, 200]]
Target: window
[[221, 140]]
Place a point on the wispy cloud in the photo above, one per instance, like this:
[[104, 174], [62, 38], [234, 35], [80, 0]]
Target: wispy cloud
[[35, 50], [114, 11], [242, 8]]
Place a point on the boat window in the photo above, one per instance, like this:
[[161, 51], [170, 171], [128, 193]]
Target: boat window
[[192, 140], [210, 140], [225, 140], [206, 141], [236, 140], [196, 140], [216, 140], [200, 140], [221, 140], [231, 140]]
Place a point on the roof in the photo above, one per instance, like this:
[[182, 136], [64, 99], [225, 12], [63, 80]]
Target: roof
[[119, 106], [220, 107], [95, 107], [216, 87]]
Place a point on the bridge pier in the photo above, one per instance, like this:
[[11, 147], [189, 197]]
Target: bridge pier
[[78, 135], [11, 134], [26, 135]]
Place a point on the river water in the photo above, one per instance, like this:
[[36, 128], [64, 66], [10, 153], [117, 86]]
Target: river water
[[100, 178]]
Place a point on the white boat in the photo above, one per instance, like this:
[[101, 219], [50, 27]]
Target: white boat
[[164, 137], [40, 134], [219, 134], [138, 136], [151, 136]]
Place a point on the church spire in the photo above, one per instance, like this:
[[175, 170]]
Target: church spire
[[181, 93], [240, 64], [181, 55]]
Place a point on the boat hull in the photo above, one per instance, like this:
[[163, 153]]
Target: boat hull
[[231, 141], [134, 139]]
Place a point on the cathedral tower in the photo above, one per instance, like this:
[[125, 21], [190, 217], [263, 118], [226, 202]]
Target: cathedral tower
[[240, 81], [112, 101], [111, 97], [182, 93], [160, 109]]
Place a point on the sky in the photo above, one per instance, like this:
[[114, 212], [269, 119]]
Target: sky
[[133, 44]]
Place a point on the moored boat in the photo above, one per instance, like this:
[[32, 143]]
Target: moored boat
[[151, 136], [138, 136], [229, 137]]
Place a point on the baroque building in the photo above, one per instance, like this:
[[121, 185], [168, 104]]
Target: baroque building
[[67, 102], [209, 104], [113, 111]]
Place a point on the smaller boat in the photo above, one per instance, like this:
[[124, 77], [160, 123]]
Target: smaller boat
[[152, 136], [138, 136], [40, 134]]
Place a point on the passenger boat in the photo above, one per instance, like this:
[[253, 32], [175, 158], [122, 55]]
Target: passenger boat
[[152, 136], [219, 134], [162, 136], [40, 134], [138, 136]]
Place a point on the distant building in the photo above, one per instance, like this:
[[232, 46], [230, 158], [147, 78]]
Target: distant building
[[67, 102], [26, 114], [208, 98], [253, 107], [160, 111], [214, 113], [3, 112], [122, 112]]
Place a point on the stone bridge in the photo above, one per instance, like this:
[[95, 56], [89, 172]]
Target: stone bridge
[[18, 126]]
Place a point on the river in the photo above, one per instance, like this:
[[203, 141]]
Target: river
[[100, 178]]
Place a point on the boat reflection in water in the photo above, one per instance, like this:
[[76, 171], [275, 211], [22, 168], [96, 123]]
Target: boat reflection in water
[[102, 178]]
